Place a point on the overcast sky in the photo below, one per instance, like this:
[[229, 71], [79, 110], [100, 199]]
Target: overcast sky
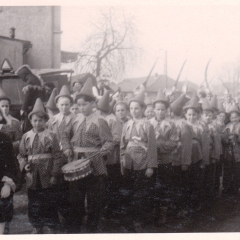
[[196, 33]]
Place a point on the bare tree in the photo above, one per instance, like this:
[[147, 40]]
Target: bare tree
[[230, 74], [111, 49]]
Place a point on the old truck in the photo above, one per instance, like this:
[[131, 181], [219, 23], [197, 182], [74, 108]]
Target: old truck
[[12, 85]]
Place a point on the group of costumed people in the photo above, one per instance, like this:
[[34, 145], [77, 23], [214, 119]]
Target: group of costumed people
[[151, 158]]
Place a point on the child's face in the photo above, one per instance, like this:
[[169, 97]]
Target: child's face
[[160, 111], [5, 106], [207, 116], [136, 110], [149, 112], [75, 109], [64, 105], [86, 108], [191, 115], [38, 123], [221, 117], [121, 112], [234, 117]]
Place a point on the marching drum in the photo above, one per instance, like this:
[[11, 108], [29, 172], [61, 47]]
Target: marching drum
[[76, 170]]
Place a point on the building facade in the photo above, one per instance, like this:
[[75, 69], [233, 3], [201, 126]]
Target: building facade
[[38, 28]]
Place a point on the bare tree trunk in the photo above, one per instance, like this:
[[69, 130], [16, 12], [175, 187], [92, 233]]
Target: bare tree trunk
[[98, 67]]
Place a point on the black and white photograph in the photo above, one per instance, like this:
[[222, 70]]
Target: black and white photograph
[[120, 117]]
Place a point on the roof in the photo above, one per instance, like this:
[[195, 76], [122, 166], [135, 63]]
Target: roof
[[45, 72], [26, 44], [153, 84], [160, 83], [128, 84], [67, 57]]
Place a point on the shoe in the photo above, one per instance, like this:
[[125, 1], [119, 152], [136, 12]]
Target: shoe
[[48, 230], [138, 227], [37, 231], [163, 215]]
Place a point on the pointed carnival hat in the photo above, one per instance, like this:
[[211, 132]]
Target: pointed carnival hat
[[148, 101], [51, 104], [3, 96], [206, 105], [214, 102], [64, 93], [87, 89], [177, 105], [161, 98], [221, 108], [138, 98], [234, 108], [103, 103], [38, 108], [192, 103]]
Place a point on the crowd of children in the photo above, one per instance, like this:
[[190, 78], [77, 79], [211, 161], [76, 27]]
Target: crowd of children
[[167, 156]]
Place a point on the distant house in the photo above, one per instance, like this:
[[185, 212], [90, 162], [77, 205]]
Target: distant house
[[154, 84]]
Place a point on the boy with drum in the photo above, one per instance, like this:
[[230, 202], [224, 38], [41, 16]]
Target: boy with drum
[[41, 158], [92, 139]]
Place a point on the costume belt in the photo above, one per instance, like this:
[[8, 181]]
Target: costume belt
[[137, 144], [39, 156]]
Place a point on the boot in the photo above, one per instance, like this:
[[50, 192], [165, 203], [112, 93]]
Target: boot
[[48, 230], [138, 227], [37, 230], [163, 215]]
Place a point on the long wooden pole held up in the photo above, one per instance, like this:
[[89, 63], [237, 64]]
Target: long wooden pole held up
[[166, 77]]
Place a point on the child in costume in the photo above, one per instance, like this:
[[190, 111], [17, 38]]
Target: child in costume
[[61, 124], [181, 159], [231, 179], [12, 126], [149, 111], [193, 179], [167, 140], [138, 154], [208, 149], [114, 186], [8, 176], [74, 109], [219, 127], [41, 158], [92, 139]]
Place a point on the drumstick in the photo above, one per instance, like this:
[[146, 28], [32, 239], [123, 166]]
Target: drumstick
[[94, 155]]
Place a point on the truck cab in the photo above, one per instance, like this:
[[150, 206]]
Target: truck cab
[[12, 85]]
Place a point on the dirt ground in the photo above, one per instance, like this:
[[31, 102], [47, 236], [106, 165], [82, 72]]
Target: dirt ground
[[224, 216]]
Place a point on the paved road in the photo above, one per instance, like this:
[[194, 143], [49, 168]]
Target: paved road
[[224, 216]]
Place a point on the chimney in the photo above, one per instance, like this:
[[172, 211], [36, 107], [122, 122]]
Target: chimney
[[12, 32]]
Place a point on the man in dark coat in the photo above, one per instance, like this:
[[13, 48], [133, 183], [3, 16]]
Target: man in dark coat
[[32, 90]]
